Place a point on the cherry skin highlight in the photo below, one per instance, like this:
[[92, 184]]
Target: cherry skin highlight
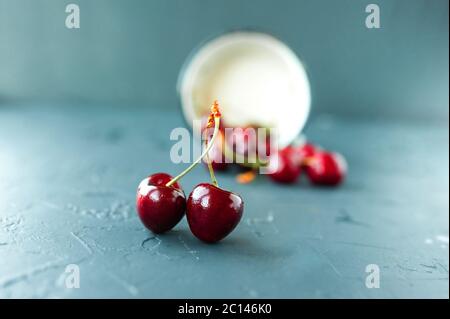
[[285, 166], [325, 168], [161, 179], [212, 212], [160, 201], [160, 207], [305, 151]]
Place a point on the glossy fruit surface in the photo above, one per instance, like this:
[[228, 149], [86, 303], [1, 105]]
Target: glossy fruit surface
[[305, 151], [161, 179], [284, 166], [212, 212], [160, 207], [325, 168]]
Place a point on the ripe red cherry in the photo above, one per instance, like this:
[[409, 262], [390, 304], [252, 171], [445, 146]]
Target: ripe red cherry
[[247, 143], [212, 212], [306, 150], [160, 207], [161, 179], [160, 201], [325, 168], [285, 166], [243, 141]]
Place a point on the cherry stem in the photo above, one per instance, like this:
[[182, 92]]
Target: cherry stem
[[205, 152], [307, 161], [211, 169]]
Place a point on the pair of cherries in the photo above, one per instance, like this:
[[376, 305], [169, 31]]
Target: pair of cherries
[[212, 212], [322, 167]]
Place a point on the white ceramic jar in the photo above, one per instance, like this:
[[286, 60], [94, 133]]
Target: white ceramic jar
[[257, 79]]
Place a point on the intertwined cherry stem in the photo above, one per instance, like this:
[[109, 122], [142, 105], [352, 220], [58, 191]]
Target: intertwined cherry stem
[[211, 170], [205, 153]]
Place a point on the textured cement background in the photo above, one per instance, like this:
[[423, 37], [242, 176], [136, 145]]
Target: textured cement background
[[68, 177]]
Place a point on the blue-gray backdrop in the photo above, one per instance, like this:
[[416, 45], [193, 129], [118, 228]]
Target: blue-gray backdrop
[[129, 53]]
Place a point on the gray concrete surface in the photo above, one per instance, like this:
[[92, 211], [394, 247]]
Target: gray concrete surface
[[68, 178]]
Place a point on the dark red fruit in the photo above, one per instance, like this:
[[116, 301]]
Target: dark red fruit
[[212, 212], [244, 141], [247, 144], [306, 150], [160, 207], [161, 179], [325, 168], [284, 165]]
